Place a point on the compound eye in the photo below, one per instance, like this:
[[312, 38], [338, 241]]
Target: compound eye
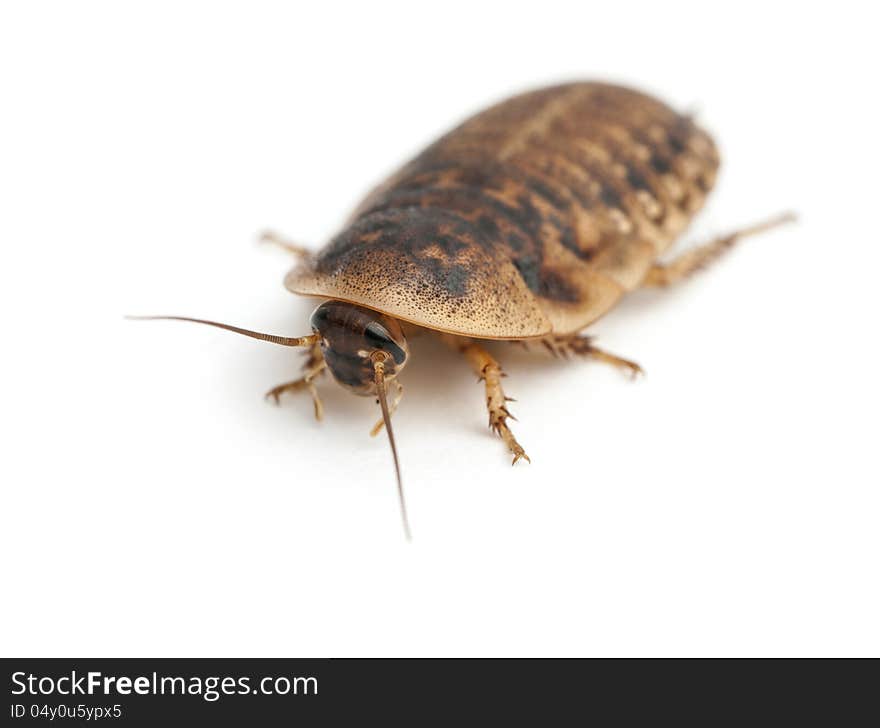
[[378, 337]]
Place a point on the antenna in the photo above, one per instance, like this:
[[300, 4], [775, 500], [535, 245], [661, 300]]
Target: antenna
[[379, 368], [282, 340]]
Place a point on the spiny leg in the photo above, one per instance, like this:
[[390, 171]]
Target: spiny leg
[[273, 238], [566, 346], [489, 371], [377, 428], [313, 367], [665, 274]]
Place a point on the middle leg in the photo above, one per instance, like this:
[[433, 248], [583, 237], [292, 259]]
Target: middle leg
[[583, 346]]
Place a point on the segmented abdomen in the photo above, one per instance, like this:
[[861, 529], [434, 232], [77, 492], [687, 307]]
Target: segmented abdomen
[[582, 185]]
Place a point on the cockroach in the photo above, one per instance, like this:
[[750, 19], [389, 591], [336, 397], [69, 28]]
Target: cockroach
[[526, 223]]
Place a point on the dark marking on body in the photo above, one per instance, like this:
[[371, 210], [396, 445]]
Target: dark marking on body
[[611, 197], [454, 278], [679, 133], [450, 244], [554, 286], [635, 179], [488, 226], [418, 234], [529, 267], [659, 164], [569, 242]]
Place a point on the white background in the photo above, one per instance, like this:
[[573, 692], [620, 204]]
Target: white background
[[154, 504]]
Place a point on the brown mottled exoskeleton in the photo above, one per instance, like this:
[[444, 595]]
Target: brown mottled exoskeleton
[[526, 223]]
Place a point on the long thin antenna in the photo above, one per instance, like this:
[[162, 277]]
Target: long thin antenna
[[282, 340], [379, 368]]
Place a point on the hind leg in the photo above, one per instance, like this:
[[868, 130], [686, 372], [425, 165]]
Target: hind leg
[[489, 371], [661, 275], [312, 368]]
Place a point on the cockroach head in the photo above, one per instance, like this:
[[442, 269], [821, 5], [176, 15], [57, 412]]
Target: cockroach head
[[354, 339]]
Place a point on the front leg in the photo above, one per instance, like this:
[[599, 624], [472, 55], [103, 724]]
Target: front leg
[[313, 367], [489, 371]]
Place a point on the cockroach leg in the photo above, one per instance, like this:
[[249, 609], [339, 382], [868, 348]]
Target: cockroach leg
[[296, 386], [377, 428], [273, 238], [566, 346], [314, 366], [661, 275], [489, 371]]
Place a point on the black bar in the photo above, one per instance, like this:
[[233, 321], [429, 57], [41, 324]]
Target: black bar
[[243, 692]]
